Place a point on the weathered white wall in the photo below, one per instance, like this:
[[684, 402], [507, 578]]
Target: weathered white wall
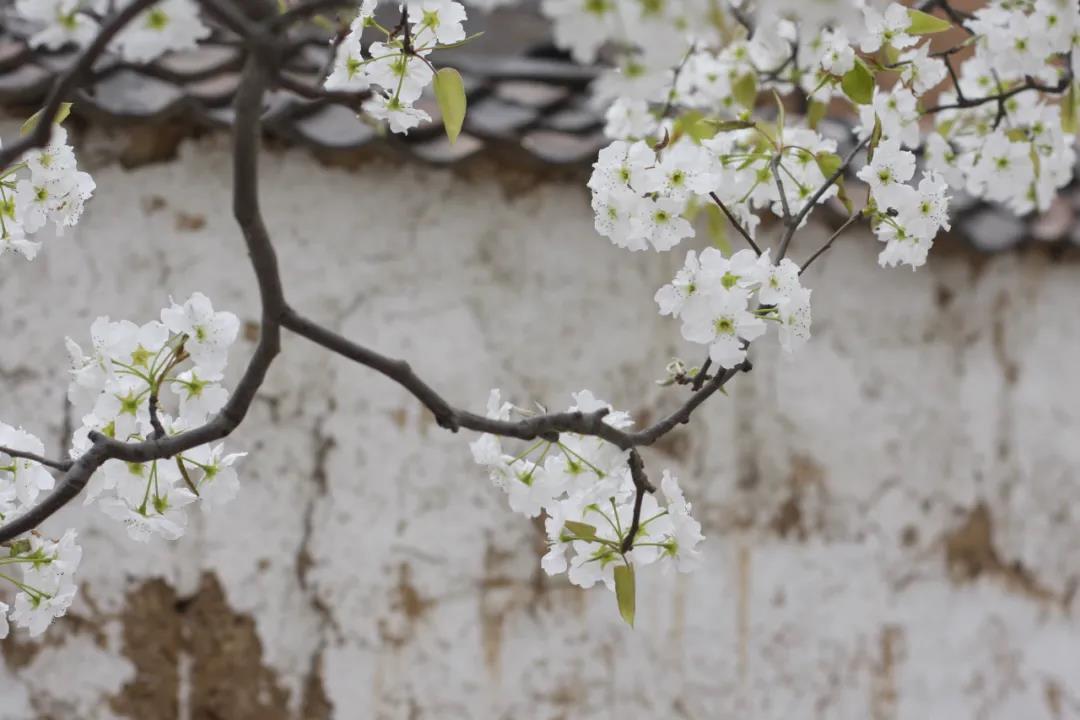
[[890, 514]]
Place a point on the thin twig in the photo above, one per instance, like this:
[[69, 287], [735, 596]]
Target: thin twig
[[62, 465], [828, 243], [703, 374], [738, 226], [641, 486], [259, 69], [789, 231], [774, 166]]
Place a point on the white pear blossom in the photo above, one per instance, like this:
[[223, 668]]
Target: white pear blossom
[[722, 320], [166, 26], [886, 28], [62, 23], [35, 613], [441, 18], [890, 168], [209, 334], [400, 115]]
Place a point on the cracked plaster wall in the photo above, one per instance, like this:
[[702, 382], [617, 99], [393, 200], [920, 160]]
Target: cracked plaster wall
[[890, 515]]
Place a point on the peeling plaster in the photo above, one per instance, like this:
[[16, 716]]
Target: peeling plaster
[[889, 513]]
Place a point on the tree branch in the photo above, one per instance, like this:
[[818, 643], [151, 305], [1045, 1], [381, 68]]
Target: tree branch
[[789, 229], [259, 69], [62, 465], [246, 134], [828, 243], [738, 226], [641, 486]]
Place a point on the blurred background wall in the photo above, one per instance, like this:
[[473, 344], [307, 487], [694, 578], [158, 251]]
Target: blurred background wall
[[889, 513]]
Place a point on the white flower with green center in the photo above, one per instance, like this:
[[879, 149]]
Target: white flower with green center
[[400, 115], [35, 612], [60, 21], [660, 222], [350, 67], [722, 320], [208, 334], [54, 160], [889, 170], [403, 77], [921, 72], [886, 28], [200, 396], [161, 513], [623, 165], [778, 281], [439, 18], [29, 478], [169, 25], [672, 296], [582, 26], [614, 211], [212, 472]]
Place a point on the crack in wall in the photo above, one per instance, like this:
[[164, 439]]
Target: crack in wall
[[315, 704]]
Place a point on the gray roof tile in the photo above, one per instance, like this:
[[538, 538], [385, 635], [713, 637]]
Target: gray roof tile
[[334, 127], [132, 95]]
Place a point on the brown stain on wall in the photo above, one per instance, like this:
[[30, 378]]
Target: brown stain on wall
[[742, 619], [970, 553], [220, 651], [789, 520], [883, 688], [1009, 368]]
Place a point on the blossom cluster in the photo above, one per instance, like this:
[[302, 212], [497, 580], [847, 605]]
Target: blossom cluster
[[118, 388], [906, 218], [714, 297], [398, 65], [168, 25], [1020, 161], [585, 489], [39, 569], [45, 186]]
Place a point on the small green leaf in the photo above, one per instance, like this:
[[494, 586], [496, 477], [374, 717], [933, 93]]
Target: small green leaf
[[321, 21], [925, 23], [32, 121], [781, 115], [731, 125], [460, 43], [1068, 110], [695, 125], [875, 139], [828, 163], [815, 113], [450, 94], [624, 592], [858, 83], [892, 55], [583, 531], [842, 195], [744, 90]]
